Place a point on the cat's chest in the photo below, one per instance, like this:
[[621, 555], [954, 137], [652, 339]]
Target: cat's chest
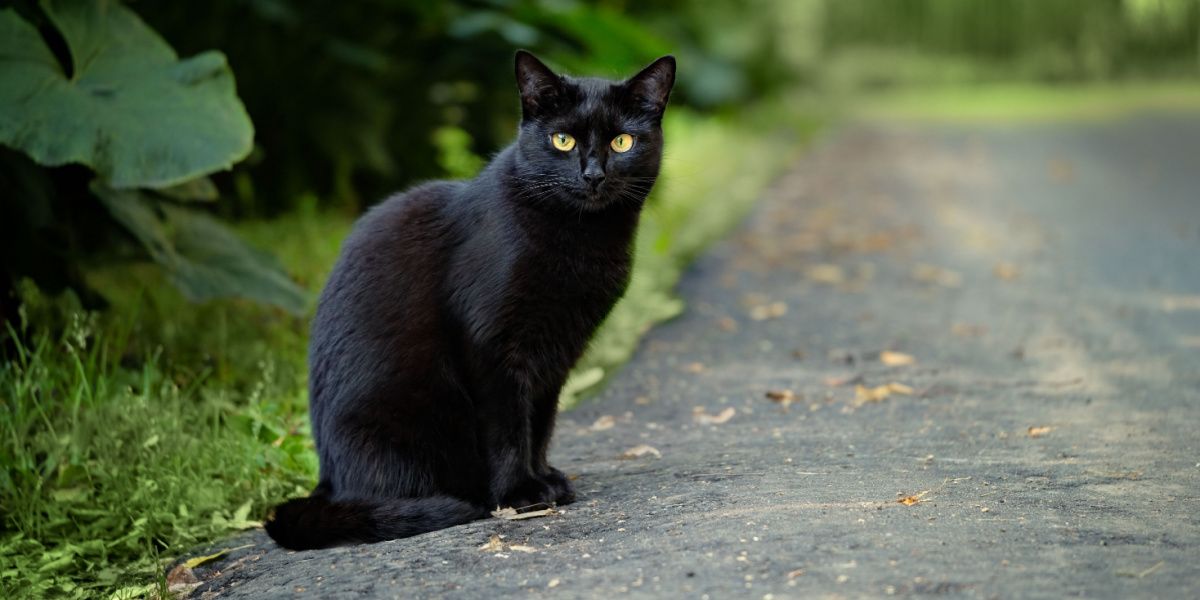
[[554, 280]]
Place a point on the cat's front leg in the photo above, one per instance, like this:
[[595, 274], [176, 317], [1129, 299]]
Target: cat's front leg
[[543, 416], [515, 484], [510, 451]]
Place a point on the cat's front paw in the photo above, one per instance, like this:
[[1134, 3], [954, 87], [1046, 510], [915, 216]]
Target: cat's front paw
[[531, 492], [560, 484]]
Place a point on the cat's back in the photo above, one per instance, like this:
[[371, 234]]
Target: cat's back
[[386, 279], [415, 216]]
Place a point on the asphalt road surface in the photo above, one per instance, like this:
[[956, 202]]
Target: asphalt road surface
[[982, 344]]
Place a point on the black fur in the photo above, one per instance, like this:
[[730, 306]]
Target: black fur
[[447, 329]]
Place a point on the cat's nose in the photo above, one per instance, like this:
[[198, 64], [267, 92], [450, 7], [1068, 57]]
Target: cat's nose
[[593, 176]]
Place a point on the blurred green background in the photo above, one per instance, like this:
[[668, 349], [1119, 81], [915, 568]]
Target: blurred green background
[[178, 177]]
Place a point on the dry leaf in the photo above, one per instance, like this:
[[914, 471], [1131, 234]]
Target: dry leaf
[[702, 417], [1006, 271], [840, 381], [968, 330], [931, 274], [914, 499], [896, 359], [604, 422], [512, 514], [553, 583], [640, 451], [522, 548], [1061, 170], [727, 324], [197, 561], [181, 575], [773, 310], [784, 397], [825, 273], [795, 573], [863, 394], [1181, 303], [1039, 431], [494, 544]]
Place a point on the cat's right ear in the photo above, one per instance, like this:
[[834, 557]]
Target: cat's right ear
[[540, 87]]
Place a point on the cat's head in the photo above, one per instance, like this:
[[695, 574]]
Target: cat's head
[[588, 144]]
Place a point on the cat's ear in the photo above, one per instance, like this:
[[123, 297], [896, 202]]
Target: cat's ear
[[540, 87], [652, 86]]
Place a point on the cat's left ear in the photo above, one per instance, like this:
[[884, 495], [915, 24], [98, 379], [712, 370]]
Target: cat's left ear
[[652, 86], [540, 88]]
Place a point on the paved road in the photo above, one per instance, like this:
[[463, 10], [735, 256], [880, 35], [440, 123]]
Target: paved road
[[1045, 280]]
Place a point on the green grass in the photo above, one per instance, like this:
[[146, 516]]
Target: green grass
[[157, 425], [1026, 101]]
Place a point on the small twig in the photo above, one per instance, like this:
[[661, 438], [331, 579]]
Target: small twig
[[1152, 570]]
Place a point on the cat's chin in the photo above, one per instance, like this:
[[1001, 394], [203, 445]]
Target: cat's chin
[[595, 201]]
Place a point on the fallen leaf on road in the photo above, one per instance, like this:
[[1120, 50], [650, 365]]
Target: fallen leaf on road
[[700, 414], [1143, 573], [181, 575], [640, 451], [494, 544], [795, 573], [931, 274], [1006, 271], [863, 394], [727, 324], [522, 548], [896, 359], [553, 583], [968, 330], [764, 312], [1061, 170], [784, 397], [181, 580], [1174, 303], [825, 273], [840, 381], [197, 561], [914, 499], [604, 422], [1035, 432], [511, 514]]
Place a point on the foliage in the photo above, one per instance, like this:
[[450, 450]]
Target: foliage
[[146, 429], [96, 87], [877, 44], [120, 103], [131, 462], [352, 101]]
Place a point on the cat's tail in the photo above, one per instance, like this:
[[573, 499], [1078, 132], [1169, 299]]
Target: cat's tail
[[316, 522]]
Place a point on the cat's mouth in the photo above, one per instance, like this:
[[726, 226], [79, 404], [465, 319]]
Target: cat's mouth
[[594, 199]]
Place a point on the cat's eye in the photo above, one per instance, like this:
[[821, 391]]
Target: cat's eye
[[562, 141], [622, 143]]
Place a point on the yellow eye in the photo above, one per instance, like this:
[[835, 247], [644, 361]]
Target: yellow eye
[[622, 143], [562, 141]]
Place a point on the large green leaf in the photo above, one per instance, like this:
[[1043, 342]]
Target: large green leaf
[[203, 258], [131, 110]]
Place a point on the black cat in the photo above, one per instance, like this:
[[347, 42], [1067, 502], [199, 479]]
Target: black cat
[[447, 329]]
